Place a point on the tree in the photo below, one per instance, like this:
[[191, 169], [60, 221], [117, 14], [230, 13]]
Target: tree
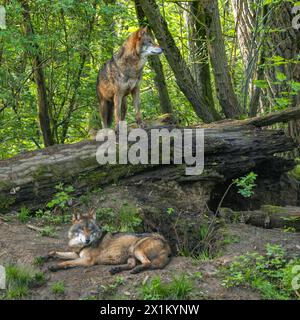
[[37, 64], [270, 49], [198, 52], [225, 92], [181, 71], [250, 18], [156, 66]]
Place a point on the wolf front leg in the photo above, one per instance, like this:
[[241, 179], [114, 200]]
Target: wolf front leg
[[136, 103], [65, 255], [80, 262]]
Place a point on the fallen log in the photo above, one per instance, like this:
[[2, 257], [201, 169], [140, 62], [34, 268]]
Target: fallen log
[[274, 117], [267, 216], [29, 179], [260, 121]]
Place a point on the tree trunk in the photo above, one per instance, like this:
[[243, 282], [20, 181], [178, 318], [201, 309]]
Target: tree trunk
[[225, 92], [284, 43], [198, 53], [181, 71], [156, 66], [37, 65], [86, 39], [249, 23]]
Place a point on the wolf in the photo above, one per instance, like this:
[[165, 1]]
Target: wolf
[[90, 245], [122, 76]]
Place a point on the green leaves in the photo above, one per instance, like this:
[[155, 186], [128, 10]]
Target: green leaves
[[271, 274], [263, 84], [280, 76], [246, 184]]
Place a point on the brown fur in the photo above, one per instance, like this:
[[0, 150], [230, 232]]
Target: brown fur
[[135, 252], [122, 75]]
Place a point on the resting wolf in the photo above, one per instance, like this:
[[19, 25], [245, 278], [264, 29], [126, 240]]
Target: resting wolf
[[127, 251]]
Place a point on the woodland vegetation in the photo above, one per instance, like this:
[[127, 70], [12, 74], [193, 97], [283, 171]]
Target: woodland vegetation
[[223, 59], [229, 66]]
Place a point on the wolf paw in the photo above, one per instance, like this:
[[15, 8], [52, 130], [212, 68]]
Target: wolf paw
[[114, 270], [53, 268]]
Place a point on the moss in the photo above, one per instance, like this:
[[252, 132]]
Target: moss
[[6, 201], [295, 173], [272, 209], [110, 174]]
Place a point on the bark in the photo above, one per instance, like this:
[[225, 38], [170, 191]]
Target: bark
[[198, 53], [285, 43], [181, 71], [37, 64], [157, 67], [29, 179], [225, 92], [267, 217], [249, 23]]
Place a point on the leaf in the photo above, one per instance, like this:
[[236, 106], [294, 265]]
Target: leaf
[[295, 86], [280, 76], [261, 84]]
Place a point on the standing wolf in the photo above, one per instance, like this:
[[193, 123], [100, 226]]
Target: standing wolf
[[122, 75]]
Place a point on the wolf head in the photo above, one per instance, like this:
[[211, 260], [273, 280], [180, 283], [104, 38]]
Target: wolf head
[[84, 230], [145, 45]]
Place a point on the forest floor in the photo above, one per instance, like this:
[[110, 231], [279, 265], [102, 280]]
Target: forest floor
[[21, 245]]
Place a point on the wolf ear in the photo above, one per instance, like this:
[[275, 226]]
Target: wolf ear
[[92, 214], [77, 216], [143, 31]]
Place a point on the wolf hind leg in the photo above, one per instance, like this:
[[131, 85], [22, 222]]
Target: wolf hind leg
[[131, 263], [161, 261], [145, 262], [106, 112]]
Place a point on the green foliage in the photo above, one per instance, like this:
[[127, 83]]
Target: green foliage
[[126, 220], [74, 39], [111, 289], [271, 274], [24, 214], [38, 261], [20, 280], [58, 205], [170, 211], [246, 184], [179, 288], [61, 197], [296, 172], [48, 231], [58, 288], [48, 217]]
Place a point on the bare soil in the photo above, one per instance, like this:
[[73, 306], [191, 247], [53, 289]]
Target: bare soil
[[20, 245]]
